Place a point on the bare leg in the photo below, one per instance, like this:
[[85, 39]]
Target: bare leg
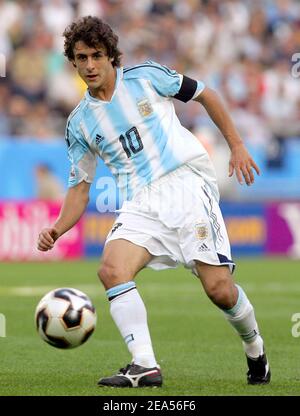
[[121, 261], [219, 286]]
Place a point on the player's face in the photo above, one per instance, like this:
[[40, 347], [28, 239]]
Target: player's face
[[94, 66]]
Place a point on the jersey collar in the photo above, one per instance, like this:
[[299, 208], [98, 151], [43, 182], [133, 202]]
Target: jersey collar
[[118, 80]]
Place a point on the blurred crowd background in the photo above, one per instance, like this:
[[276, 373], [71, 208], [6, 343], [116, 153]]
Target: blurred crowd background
[[241, 48]]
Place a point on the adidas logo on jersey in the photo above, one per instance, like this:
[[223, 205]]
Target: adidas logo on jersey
[[99, 139], [203, 247]]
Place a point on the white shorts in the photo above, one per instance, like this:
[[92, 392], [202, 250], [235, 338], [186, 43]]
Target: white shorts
[[178, 220]]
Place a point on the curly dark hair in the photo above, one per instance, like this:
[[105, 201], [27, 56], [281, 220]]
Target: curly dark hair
[[94, 33]]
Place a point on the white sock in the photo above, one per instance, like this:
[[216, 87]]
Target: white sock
[[129, 313], [255, 348], [242, 318]]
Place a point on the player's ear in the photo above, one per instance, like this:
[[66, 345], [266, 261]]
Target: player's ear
[[73, 63]]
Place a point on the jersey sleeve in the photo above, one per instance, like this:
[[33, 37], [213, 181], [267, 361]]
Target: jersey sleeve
[[169, 83], [83, 160]]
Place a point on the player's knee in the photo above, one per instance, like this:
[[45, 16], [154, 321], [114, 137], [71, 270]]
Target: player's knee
[[111, 275], [222, 293]]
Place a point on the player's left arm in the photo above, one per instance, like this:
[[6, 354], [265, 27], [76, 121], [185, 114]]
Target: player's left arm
[[241, 161]]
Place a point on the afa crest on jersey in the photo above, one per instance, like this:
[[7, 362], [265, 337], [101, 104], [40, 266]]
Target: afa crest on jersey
[[145, 107]]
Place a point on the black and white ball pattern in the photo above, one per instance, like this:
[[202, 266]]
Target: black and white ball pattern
[[65, 318]]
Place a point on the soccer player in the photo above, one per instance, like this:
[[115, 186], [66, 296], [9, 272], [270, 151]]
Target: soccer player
[[171, 213]]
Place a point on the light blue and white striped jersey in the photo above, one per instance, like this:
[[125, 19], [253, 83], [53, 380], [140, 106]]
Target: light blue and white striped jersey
[[136, 133]]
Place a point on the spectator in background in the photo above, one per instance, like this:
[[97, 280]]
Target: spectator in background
[[5, 127], [28, 70], [48, 186], [10, 14]]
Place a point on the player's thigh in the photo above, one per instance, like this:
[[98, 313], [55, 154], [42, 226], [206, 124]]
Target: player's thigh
[[217, 282], [121, 261]]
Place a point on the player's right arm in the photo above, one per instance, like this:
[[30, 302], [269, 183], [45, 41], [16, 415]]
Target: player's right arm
[[83, 167], [72, 209]]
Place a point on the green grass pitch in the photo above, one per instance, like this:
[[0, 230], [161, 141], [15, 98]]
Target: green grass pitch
[[199, 352]]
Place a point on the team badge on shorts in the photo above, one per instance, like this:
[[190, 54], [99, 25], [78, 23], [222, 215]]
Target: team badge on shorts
[[201, 230], [145, 107]]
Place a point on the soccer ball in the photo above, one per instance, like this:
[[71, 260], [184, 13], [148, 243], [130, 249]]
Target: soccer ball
[[65, 318]]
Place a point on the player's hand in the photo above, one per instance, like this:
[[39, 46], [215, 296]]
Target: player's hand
[[47, 238], [242, 164]]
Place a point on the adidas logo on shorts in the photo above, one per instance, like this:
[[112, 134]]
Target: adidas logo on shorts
[[203, 247]]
